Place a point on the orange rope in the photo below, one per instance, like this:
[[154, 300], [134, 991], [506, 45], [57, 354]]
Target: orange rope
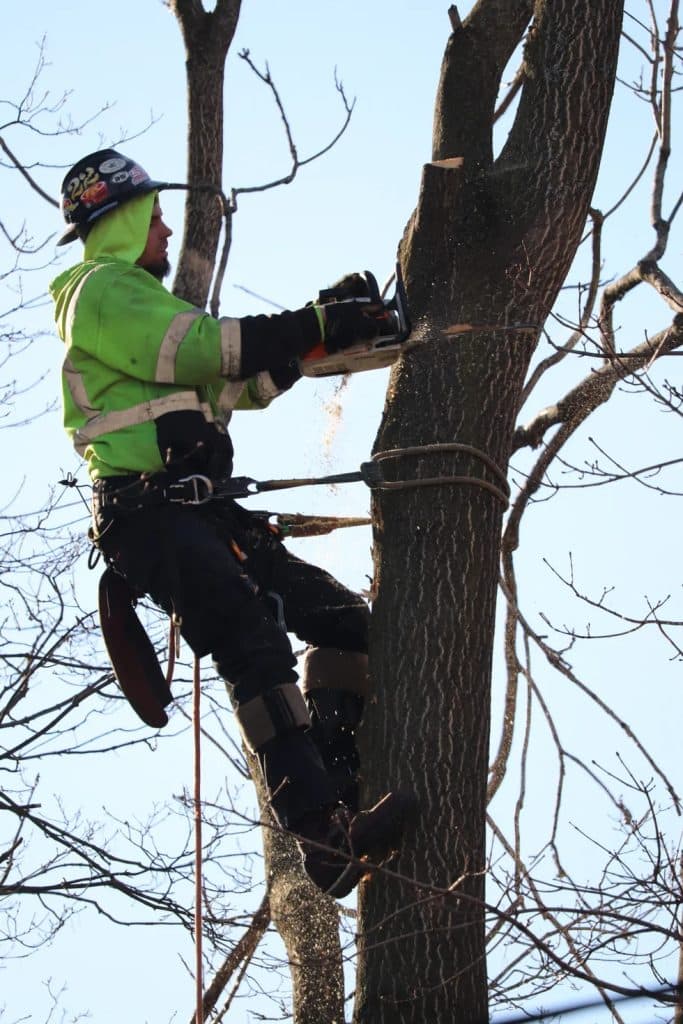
[[173, 646], [196, 692]]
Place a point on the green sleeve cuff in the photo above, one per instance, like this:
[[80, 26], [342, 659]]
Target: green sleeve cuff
[[320, 313]]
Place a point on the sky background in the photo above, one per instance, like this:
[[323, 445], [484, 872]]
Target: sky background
[[345, 212]]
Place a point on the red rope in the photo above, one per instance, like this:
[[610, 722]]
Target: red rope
[[196, 691], [173, 646]]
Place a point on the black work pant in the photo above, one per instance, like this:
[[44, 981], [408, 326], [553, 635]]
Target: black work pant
[[231, 581]]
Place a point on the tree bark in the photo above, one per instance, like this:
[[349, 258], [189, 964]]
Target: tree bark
[[308, 922], [207, 39], [490, 243]]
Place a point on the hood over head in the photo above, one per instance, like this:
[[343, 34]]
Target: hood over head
[[122, 234]]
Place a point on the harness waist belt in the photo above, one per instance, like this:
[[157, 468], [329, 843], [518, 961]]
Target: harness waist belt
[[136, 492]]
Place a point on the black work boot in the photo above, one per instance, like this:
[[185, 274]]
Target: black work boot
[[339, 849]]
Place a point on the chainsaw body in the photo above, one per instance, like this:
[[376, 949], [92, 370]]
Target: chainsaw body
[[382, 351]]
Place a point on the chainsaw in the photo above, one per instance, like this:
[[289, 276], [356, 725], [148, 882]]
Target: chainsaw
[[394, 331]]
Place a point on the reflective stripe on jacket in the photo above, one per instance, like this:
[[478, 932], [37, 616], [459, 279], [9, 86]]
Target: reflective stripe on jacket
[[137, 357]]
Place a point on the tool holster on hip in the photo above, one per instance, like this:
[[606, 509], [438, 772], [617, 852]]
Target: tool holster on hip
[[130, 650]]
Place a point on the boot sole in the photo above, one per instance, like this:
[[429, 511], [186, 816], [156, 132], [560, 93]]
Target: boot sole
[[375, 836]]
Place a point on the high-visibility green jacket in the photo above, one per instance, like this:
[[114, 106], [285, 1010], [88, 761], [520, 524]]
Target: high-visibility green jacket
[[148, 380]]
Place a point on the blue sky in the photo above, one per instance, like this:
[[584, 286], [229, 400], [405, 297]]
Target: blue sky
[[346, 212]]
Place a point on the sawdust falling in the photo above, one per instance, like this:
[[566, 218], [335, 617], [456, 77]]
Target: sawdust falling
[[334, 411]]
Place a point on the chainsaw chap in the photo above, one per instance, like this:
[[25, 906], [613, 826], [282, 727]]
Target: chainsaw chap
[[149, 386]]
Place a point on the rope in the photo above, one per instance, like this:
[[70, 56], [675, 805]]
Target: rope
[[296, 524], [259, 486], [502, 493], [197, 489], [198, 925], [173, 646], [370, 473]]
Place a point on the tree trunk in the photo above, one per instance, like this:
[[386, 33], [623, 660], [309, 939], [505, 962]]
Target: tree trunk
[[207, 40], [308, 923], [489, 244]]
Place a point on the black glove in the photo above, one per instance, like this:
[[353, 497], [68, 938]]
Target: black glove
[[346, 324], [351, 286]]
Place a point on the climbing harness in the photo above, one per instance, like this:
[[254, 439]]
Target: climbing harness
[[369, 473], [197, 489], [131, 652]]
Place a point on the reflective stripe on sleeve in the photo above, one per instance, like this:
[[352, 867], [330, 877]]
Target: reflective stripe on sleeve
[[230, 393], [255, 393], [264, 387], [74, 382], [144, 412], [231, 347], [171, 342]]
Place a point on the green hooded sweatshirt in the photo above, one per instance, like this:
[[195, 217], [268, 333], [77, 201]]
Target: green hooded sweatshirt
[[148, 379]]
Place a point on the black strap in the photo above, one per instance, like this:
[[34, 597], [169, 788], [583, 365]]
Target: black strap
[[135, 492], [196, 489], [242, 486]]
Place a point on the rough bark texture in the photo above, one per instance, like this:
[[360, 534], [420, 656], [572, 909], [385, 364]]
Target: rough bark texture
[[207, 40], [490, 243], [308, 923]]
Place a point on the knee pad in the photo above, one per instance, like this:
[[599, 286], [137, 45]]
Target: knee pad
[[337, 680], [335, 685], [279, 711]]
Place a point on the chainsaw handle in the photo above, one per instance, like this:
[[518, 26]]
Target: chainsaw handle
[[374, 295], [342, 292], [394, 324]]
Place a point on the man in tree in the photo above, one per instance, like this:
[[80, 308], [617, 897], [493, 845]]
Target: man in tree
[[149, 385]]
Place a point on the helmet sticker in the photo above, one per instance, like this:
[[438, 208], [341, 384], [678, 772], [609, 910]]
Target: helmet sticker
[[114, 164], [138, 175], [81, 182], [97, 193], [120, 177]]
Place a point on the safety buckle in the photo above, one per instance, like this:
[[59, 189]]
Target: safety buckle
[[194, 484]]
